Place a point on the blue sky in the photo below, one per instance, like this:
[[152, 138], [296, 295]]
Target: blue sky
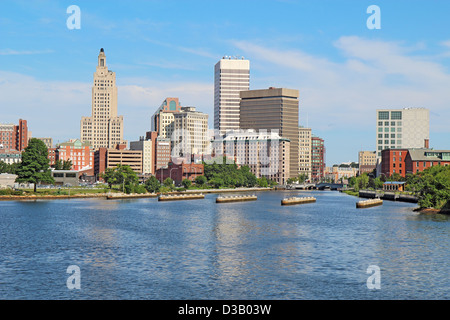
[[159, 49]]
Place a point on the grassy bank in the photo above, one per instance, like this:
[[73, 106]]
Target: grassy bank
[[351, 193]]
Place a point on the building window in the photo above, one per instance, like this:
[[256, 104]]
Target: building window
[[383, 115], [396, 115]]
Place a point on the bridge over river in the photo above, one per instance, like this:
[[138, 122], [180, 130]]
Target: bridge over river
[[313, 186]]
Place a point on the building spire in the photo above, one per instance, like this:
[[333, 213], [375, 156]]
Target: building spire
[[102, 58]]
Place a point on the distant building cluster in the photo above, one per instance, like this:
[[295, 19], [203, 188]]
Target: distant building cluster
[[255, 128]]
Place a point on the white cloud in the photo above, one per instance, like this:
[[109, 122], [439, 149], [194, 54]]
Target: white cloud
[[139, 98], [372, 74], [55, 108], [52, 108], [11, 52]]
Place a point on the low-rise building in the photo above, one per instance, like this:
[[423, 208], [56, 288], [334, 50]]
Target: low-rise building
[[80, 153], [411, 161], [10, 156], [7, 180], [367, 161], [66, 177], [180, 172], [341, 172], [109, 158], [394, 186]]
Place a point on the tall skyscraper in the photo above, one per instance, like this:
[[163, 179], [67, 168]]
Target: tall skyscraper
[[274, 109], [402, 129], [104, 129], [317, 158], [231, 75]]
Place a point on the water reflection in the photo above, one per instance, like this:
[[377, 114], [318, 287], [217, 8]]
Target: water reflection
[[143, 249]]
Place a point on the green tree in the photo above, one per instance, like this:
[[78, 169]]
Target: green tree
[[186, 183], [127, 177], [152, 184], [432, 186], [262, 182], [121, 175], [3, 167], [58, 165], [200, 180], [363, 181], [302, 178], [216, 182], [168, 183], [110, 177], [8, 168], [34, 167], [67, 165]]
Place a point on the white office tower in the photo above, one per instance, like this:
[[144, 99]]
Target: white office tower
[[231, 76], [402, 129]]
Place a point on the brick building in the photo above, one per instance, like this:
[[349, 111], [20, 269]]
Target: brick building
[[179, 172], [411, 161], [14, 137], [317, 158], [80, 153], [109, 158]]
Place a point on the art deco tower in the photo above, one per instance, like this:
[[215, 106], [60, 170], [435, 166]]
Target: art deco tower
[[104, 129]]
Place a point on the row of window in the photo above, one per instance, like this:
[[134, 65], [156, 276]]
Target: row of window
[[389, 129], [387, 123], [394, 115], [399, 142]]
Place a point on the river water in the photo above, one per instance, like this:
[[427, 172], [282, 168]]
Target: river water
[[145, 249]]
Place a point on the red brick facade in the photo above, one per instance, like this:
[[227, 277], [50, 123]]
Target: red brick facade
[[179, 172], [393, 161], [411, 161], [14, 137]]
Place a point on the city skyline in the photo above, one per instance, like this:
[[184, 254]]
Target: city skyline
[[343, 71]]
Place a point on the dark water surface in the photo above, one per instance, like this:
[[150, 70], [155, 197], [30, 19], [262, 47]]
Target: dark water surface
[[145, 249]]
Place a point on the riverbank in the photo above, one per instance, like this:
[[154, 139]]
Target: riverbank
[[396, 197], [34, 197], [432, 211], [118, 196], [379, 194]]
